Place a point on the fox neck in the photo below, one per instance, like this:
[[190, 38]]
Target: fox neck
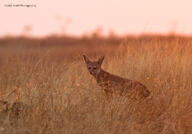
[[100, 75]]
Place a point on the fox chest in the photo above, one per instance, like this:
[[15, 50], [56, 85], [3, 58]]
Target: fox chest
[[110, 86]]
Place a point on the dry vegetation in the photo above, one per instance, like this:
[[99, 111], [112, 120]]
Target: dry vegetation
[[50, 77]]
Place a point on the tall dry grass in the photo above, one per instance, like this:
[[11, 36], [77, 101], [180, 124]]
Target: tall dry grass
[[64, 98]]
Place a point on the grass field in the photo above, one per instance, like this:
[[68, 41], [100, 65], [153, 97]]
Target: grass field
[[50, 76]]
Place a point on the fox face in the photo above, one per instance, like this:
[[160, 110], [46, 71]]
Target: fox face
[[94, 67]]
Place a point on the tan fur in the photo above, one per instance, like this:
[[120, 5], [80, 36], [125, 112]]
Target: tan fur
[[113, 84], [13, 110]]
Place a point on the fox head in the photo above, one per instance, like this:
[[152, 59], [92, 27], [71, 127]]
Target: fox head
[[94, 67], [3, 105]]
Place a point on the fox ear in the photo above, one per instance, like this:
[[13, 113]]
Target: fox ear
[[86, 59], [100, 61]]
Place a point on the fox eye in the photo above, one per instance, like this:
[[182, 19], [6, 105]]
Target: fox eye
[[89, 68], [94, 68]]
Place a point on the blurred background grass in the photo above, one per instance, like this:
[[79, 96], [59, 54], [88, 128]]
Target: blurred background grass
[[49, 75]]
